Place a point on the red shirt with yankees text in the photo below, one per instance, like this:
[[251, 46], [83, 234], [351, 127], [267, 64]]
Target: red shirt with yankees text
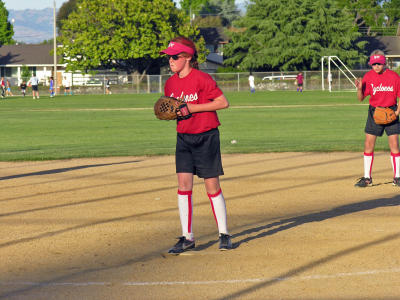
[[383, 88], [197, 88]]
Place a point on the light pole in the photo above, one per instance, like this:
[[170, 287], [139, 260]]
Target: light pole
[[55, 49]]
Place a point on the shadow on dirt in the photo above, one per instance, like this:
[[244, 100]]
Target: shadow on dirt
[[62, 170], [289, 223]]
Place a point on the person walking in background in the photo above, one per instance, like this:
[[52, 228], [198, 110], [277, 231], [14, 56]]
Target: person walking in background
[[3, 87], [51, 88], [8, 91], [34, 83], [383, 87], [299, 79], [251, 83], [67, 86], [108, 86], [23, 88], [198, 144]]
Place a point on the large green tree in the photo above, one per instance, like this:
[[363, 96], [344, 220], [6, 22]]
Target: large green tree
[[64, 11], [392, 12], [193, 6], [292, 35], [225, 9], [365, 13], [6, 28], [122, 34]]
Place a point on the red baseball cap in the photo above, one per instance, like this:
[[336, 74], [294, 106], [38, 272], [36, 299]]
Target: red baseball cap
[[176, 48], [377, 59]]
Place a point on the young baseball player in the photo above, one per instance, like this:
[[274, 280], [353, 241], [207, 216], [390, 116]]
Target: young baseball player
[[383, 87], [51, 88], [299, 79], [23, 88], [251, 83], [198, 145], [34, 82]]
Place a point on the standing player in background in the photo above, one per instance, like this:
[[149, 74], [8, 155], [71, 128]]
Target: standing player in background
[[108, 86], [67, 86], [23, 88], [198, 145], [251, 83], [383, 87], [3, 87], [34, 82], [8, 92], [51, 88], [299, 79]]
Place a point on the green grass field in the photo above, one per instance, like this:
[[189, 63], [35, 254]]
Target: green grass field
[[116, 125]]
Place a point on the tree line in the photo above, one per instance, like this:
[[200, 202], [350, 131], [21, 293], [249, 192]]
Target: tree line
[[269, 35]]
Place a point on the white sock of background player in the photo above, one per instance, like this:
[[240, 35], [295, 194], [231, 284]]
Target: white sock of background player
[[368, 161], [185, 204], [395, 160], [219, 210]]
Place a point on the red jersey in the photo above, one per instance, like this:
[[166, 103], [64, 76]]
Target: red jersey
[[383, 88], [197, 88], [299, 79]]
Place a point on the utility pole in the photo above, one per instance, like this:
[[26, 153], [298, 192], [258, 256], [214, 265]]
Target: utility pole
[[55, 48]]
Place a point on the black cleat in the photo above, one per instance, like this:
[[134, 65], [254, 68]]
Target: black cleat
[[182, 245], [396, 181], [364, 182], [225, 242]]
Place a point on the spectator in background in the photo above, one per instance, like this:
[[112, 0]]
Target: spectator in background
[[67, 86], [51, 88], [34, 82], [108, 84], [2, 87], [23, 88], [251, 83], [299, 79], [8, 91]]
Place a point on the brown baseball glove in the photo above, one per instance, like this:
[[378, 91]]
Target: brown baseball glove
[[384, 115], [166, 108]]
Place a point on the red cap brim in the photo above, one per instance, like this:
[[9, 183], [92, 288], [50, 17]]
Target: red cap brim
[[176, 48], [377, 59]]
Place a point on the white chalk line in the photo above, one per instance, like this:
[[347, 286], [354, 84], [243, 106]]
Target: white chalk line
[[206, 282], [233, 107]]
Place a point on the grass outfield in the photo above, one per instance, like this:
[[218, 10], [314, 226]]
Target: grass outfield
[[120, 125]]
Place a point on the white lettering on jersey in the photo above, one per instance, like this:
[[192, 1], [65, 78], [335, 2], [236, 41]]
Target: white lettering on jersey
[[381, 88], [186, 98]]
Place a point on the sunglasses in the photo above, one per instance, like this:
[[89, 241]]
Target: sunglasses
[[174, 57], [376, 64]]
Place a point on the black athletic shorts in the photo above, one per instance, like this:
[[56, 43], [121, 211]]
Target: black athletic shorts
[[34, 88], [199, 154], [372, 128]]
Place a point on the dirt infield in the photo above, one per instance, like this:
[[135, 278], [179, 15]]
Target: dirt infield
[[97, 228]]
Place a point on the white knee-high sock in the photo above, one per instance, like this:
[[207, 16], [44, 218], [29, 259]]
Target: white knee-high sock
[[219, 210], [395, 159], [368, 161], [185, 205]]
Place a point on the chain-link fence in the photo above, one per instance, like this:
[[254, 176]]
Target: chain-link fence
[[135, 84]]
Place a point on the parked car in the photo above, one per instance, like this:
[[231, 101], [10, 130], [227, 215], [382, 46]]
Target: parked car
[[94, 82]]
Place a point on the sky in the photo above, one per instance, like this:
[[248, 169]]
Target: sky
[[40, 4], [31, 4]]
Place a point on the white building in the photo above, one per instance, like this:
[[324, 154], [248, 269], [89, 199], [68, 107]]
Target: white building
[[38, 58]]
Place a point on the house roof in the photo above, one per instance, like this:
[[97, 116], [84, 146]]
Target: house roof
[[26, 54], [388, 44]]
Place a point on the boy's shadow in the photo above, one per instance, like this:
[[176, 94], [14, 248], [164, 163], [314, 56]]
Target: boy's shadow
[[285, 224]]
